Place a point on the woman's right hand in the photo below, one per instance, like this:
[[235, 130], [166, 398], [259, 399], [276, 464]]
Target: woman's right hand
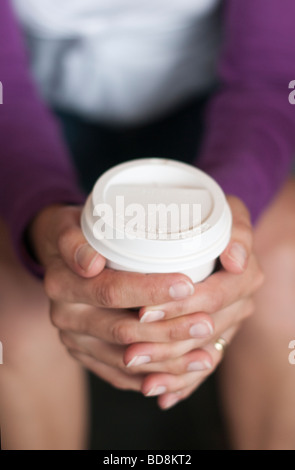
[[91, 305]]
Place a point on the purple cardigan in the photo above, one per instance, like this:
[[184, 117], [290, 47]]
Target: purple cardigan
[[250, 136]]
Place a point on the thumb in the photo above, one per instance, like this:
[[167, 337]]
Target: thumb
[[56, 233], [235, 257]]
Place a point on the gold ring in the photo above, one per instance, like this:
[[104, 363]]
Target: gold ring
[[220, 345]]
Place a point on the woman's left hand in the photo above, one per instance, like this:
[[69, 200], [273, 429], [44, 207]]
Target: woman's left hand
[[176, 367]]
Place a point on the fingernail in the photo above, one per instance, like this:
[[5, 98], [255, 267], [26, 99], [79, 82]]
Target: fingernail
[[181, 289], [157, 390], [238, 254], [199, 366], [201, 329], [152, 315], [170, 402], [85, 256], [138, 360]]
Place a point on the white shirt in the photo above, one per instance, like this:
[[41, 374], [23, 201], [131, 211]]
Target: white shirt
[[121, 61]]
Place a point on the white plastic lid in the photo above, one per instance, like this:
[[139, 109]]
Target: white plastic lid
[[123, 221]]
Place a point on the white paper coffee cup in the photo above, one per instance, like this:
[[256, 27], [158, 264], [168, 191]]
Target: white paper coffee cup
[[158, 216]]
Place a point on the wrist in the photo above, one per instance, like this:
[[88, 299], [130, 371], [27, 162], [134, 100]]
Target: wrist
[[41, 233]]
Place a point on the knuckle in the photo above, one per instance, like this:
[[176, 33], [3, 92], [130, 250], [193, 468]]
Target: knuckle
[[181, 306], [166, 353], [67, 321], [63, 238], [121, 333], [214, 295], [175, 331], [175, 368], [106, 295], [215, 300], [152, 289]]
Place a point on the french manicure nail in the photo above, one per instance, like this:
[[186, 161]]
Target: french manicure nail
[[238, 254], [198, 366], [181, 290], [157, 390], [152, 315], [85, 256], [201, 329], [138, 360]]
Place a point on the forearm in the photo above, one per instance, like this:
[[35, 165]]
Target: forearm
[[35, 167], [250, 138]]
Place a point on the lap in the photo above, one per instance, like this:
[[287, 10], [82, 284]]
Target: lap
[[24, 320], [277, 225], [257, 381], [264, 337], [26, 330], [275, 248]]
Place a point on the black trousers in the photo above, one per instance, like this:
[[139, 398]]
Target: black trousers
[[126, 420]]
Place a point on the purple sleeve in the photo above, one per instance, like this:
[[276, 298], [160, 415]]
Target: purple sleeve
[[35, 170], [250, 138]]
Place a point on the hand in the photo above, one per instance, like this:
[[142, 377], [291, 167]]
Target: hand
[[226, 296], [104, 353], [84, 295]]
